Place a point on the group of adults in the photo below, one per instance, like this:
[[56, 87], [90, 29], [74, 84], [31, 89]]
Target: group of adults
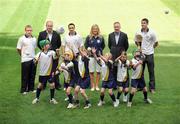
[[117, 42]]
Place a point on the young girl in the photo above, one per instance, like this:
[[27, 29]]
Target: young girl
[[84, 82], [67, 67], [107, 77], [45, 58], [122, 76], [137, 79]]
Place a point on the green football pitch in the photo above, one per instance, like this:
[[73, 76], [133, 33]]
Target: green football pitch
[[15, 14]]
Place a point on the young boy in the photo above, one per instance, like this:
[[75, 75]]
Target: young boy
[[26, 48], [67, 67], [137, 79], [122, 76], [107, 77], [84, 81], [45, 58]]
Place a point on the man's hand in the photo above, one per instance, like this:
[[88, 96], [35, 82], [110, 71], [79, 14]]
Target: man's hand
[[155, 44]]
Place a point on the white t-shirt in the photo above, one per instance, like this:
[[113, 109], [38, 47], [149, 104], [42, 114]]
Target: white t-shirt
[[27, 47], [105, 70], [66, 74], [45, 61], [122, 73], [73, 42], [148, 40], [137, 72]]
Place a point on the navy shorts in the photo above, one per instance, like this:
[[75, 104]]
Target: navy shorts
[[84, 83], [123, 84], [138, 83], [108, 84], [45, 79], [70, 84]]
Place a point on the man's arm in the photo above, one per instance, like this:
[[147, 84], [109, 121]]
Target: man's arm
[[39, 39], [58, 41], [19, 51], [156, 44], [109, 41], [126, 43]]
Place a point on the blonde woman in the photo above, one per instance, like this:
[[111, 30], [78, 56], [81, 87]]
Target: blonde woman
[[94, 40]]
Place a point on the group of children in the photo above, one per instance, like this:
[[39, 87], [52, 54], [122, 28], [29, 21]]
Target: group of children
[[67, 67]]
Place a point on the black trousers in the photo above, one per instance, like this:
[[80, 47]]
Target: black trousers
[[149, 60], [28, 73]]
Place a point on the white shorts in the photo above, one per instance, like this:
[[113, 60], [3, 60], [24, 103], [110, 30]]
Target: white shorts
[[94, 65]]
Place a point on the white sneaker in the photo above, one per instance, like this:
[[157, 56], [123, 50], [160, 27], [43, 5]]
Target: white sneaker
[[97, 89], [34, 91], [24, 93], [129, 104], [92, 89], [117, 101], [53, 101], [115, 104], [66, 99], [125, 98], [87, 106], [70, 105], [101, 103], [36, 100], [149, 101]]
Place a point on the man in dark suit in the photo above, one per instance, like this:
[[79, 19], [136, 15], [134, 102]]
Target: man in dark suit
[[55, 42], [117, 42]]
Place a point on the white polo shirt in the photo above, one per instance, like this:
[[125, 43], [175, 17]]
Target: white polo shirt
[[45, 61], [148, 40], [137, 72], [73, 42], [122, 72], [27, 47]]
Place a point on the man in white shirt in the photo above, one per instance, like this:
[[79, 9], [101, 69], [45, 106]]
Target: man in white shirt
[[149, 42], [26, 48], [73, 41]]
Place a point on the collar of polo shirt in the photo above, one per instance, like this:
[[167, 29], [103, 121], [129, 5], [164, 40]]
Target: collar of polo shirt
[[144, 31], [28, 36]]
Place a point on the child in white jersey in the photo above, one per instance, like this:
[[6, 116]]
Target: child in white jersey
[[106, 64], [84, 81], [67, 67], [122, 75], [137, 79], [45, 59]]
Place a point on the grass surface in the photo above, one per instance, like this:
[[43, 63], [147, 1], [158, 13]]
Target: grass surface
[[17, 109]]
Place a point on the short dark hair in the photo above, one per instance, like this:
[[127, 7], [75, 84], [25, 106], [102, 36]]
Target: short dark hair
[[146, 20], [71, 24]]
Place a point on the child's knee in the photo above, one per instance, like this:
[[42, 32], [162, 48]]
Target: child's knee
[[126, 90], [145, 89], [40, 86], [110, 91], [133, 90], [120, 89], [52, 86]]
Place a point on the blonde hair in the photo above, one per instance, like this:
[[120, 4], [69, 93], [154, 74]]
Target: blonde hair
[[91, 32]]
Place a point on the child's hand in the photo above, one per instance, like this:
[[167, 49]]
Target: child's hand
[[140, 62], [93, 50]]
